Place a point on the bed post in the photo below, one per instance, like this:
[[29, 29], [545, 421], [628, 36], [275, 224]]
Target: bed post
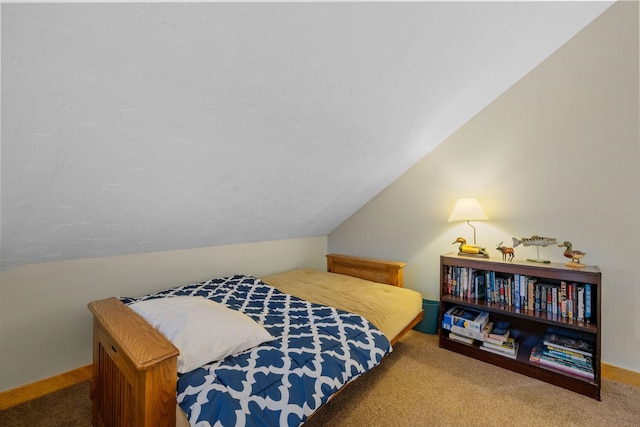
[[134, 369]]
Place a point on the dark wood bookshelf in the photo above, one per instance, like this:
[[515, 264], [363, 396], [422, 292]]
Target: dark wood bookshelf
[[528, 326]]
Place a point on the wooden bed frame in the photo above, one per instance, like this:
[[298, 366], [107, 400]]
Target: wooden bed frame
[[134, 365]]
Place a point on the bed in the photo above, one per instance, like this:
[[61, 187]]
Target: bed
[[319, 339]]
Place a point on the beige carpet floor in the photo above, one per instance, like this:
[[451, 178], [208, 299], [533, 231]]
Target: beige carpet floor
[[419, 384]]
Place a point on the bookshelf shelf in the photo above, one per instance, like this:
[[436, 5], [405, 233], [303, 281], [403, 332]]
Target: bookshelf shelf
[[528, 324]]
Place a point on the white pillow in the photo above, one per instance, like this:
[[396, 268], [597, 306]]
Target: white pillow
[[203, 330]]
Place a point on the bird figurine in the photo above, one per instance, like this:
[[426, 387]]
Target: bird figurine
[[574, 256], [472, 250]]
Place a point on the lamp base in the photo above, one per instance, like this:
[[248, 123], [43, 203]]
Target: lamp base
[[473, 255]]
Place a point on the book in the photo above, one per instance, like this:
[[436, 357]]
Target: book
[[459, 330], [460, 338], [489, 280], [580, 310], [563, 342], [587, 301], [464, 281], [562, 300], [576, 300], [502, 291], [508, 347], [500, 332], [485, 331], [571, 301], [523, 292], [480, 288], [465, 317], [531, 293], [510, 354]]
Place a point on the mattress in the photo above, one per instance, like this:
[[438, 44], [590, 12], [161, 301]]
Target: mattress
[[389, 308]]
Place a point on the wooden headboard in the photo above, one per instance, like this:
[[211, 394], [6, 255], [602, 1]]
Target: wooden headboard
[[388, 272]]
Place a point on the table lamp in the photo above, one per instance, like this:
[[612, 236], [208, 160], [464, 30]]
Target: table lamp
[[468, 210]]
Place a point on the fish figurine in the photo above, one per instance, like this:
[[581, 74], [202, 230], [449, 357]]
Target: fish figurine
[[534, 241]]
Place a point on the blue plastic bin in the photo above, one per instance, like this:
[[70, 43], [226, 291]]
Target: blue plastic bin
[[429, 323]]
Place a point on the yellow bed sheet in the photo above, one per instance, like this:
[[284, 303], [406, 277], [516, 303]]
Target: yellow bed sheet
[[387, 307]]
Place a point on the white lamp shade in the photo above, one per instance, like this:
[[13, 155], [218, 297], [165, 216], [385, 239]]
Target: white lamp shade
[[468, 210]]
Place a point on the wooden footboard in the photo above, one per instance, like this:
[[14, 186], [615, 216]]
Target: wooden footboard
[[134, 369], [134, 365]]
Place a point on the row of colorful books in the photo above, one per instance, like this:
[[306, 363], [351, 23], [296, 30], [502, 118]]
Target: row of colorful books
[[565, 353], [466, 282], [567, 300]]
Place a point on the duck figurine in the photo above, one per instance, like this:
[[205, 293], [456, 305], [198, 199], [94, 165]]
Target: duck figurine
[[472, 250], [574, 256]]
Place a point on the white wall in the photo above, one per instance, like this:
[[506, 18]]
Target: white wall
[[133, 128], [46, 327], [557, 155]]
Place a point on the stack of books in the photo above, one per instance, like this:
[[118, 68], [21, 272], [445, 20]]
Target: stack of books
[[564, 353], [499, 342], [465, 324]]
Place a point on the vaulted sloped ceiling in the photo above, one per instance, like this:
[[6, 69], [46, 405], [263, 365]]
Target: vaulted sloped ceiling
[[132, 128]]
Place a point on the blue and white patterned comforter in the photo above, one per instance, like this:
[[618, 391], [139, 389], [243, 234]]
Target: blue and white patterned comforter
[[316, 352]]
